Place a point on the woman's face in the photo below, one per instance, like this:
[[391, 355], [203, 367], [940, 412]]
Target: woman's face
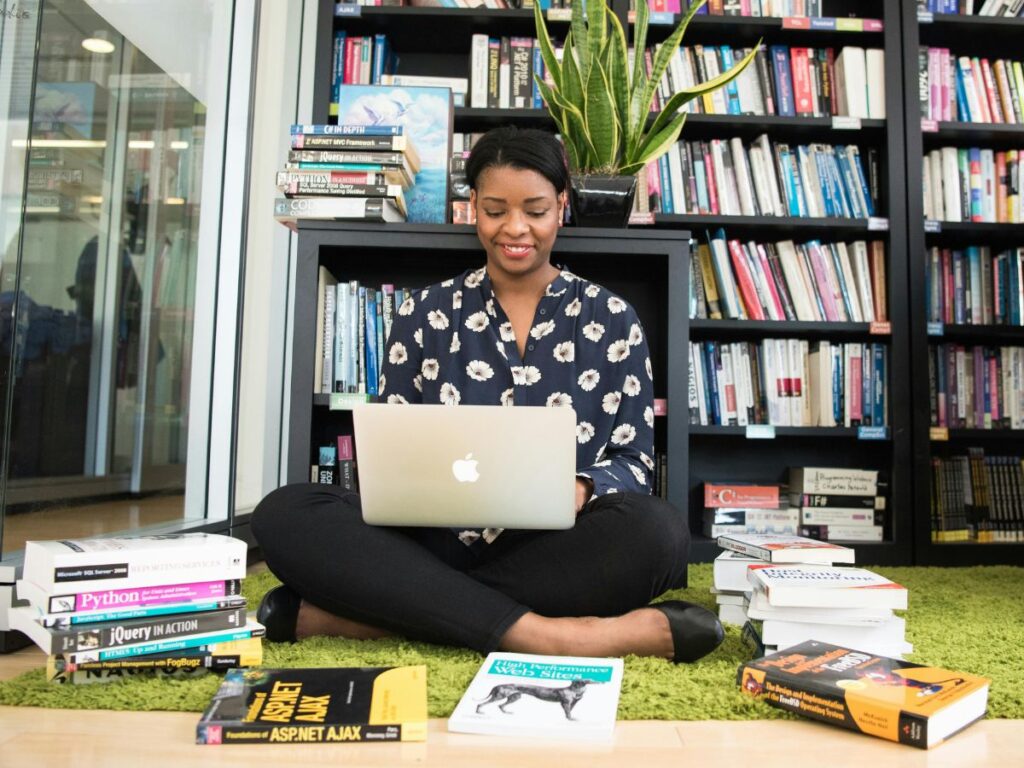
[[518, 213]]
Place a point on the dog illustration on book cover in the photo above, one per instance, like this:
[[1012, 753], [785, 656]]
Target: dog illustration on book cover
[[568, 696]]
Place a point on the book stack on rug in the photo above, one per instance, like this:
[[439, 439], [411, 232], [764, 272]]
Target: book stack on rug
[[108, 608], [838, 504], [346, 173], [804, 589]]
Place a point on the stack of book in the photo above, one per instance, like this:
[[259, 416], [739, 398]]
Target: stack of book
[[107, 608], [346, 172], [838, 504], [798, 593], [747, 508]]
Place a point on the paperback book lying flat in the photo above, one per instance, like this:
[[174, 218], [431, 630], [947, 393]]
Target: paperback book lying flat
[[879, 696], [824, 586], [328, 705], [786, 549], [562, 697]]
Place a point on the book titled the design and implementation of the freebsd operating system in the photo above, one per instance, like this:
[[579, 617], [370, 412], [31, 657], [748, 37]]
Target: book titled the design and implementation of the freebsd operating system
[[558, 697], [896, 700], [323, 706]]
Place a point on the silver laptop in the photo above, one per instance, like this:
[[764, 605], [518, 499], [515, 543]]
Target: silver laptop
[[473, 466]]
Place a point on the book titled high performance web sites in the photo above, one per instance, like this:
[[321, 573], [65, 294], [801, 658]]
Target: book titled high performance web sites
[[108, 607]]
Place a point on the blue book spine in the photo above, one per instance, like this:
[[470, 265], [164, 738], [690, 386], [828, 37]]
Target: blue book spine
[[380, 57], [703, 204], [338, 71], [667, 203], [879, 416], [711, 383], [783, 81], [837, 383], [940, 385], [165, 646], [732, 91], [717, 395], [844, 289], [843, 182], [858, 172], [824, 178], [1011, 290], [962, 105], [798, 187], [347, 130], [787, 179], [974, 161], [538, 70], [372, 371], [867, 381]]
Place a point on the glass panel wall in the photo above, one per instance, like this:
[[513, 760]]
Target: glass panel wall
[[100, 263]]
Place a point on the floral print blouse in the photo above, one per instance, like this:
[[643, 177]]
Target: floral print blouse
[[452, 343]]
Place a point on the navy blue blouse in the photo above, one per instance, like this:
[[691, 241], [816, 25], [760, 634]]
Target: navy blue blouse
[[452, 343]]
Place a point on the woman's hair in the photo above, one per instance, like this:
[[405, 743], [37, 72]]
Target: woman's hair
[[527, 148]]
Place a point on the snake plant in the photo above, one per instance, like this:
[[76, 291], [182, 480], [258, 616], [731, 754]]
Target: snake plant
[[600, 103]]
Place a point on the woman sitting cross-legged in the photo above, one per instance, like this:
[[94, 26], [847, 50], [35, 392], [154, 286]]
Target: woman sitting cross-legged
[[517, 331]]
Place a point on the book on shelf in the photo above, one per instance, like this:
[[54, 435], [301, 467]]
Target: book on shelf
[[833, 480], [973, 184], [725, 521], [976, 387], [977, 497], [773, 548], [557, 697], [325, 705], [743, 495], [360, 59], [974, 286], [290, 211], [977, 89], [872, 694], [426, 115], [804, 585], [132, 561]]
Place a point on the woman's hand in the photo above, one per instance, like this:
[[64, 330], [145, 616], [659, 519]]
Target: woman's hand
[[584, 489]]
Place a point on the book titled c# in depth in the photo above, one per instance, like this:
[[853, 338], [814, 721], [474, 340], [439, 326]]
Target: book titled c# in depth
[[328, 706]]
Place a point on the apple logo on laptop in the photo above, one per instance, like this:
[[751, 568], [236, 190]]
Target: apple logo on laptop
[[465, 469]]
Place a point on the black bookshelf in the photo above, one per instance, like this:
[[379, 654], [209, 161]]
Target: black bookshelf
[[972, 36]]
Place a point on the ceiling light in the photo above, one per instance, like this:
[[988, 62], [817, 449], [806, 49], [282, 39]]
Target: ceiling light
[[179, 145], [97, 45], [58, 143], [141, 144]]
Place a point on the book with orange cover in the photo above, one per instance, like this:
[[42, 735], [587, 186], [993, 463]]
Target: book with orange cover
[[876, 695]]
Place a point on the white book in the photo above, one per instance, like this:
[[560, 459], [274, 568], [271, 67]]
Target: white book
[[971, 88], [135, 561], [926, 186], [765, 202], [820, 381], [855, 533], [799, 290], [769, 382], [289, 211], [330, 321], [851, 72], [772, 548], [478, 71], [796, 401], [862, 279], [783, 371], [698, 374], [874, 62], [825, 586], [712, 70], [728, 201], [732, 614], [744, 180], [805, 354], [675, 172], [759, 608], [845, 516], [786, 633], [723, 275], [555, 697], [809, 179], [951, 185], [768, 156], [730, 571], [988, 185], [938, 197], [852, 296], [726, 387], [729, 598], [833, 481]]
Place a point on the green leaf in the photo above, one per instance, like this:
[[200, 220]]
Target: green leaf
[[662, 59], [654, 146], [597, 31], [547, 51], [572, 79], [578, 28], [618, 75], [639, 41], [600, 115]]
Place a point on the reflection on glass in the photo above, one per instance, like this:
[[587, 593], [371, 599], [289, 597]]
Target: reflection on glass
[[99, 284]]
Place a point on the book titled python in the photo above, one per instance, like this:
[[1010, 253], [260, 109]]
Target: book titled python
[[889, 698], [322, 706]]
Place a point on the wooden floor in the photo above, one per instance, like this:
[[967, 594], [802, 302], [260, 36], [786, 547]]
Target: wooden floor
[[38, 738]]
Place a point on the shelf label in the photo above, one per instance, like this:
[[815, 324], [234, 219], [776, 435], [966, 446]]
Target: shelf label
[[823, 22], [641, 219], [346, 401], [929, 126], [938, 434], [348, 9], [878, 224], [845, 123], [880, 328], [873, 25], [849, 25], [872, 433], [760, 432], [660, 406], [932, 226], [935, 329], [661, 17], [559, 14], [796, 22], [925, 17]]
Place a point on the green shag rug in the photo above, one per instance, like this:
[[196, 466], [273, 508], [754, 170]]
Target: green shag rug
[[966, 619]]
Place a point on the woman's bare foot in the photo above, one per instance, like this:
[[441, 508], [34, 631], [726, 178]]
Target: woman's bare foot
[[316, 621], [644, 632]]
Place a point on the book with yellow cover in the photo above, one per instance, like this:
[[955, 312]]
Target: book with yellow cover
[[876, 695], [328, 705]]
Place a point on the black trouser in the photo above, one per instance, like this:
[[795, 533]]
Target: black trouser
[[425, 584]]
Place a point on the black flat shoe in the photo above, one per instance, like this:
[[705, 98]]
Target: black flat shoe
[[696, 631], [278, 612]]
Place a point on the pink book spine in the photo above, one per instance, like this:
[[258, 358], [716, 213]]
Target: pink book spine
[[856, 384], [140, 597], [762, 256], [993, 400], [828, 299], [345, 451], [934, 84], [944, 75]]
